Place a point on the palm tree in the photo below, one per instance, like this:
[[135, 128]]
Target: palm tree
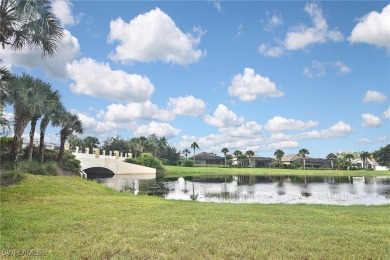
[[349, 157], [250, 153], [237, 154], [91, 142], [42, 91], [279, 154], [304, 152], [186, 152], [225, 151], [29, 23], [5, 78], [364, 156], [69, 123], [194, 145], [20, 92], [54, 108], [331, 157]]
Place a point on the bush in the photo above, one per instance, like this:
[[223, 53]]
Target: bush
[[150, 161], [188, 163], [11, 177], [146, 160], [6, 145], [33, 167]]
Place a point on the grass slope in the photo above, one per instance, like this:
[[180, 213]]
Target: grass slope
[[181, 171], [70, 218]]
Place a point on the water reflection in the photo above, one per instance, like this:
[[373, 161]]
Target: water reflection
[[261, 189]]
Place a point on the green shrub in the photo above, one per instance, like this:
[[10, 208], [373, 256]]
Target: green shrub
[[5, 145], [11, 177], [33, 167], [146, 159], [150, 161], [188, 163]]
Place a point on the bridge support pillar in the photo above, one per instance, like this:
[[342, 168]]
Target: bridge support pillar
[[96, 151]]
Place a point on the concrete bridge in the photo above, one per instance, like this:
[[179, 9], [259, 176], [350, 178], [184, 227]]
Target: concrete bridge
[[110, 164]]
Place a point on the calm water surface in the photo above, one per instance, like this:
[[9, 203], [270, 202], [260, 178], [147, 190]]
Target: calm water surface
[[260, 189]]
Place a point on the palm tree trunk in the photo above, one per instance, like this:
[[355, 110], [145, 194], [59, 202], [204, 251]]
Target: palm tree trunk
[[44, 123], [304, 163], [34, 120], [21, 121], [62, 148]]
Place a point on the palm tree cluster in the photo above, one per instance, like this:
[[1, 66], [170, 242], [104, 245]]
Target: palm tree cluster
[[32, 100]]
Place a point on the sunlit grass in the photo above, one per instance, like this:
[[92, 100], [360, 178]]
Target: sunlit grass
[[181, 171], [71, 218]]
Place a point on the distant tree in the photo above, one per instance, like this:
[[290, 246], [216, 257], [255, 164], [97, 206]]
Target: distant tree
[[250, 153], [349, 157], [75, 141], [237, 153], [186, 152], [364, 156], [29, 23], [225, 151], [331, 157], [194, 145], [91, 142], [279, 154], [304, 152], [382, 155], [117, 143]]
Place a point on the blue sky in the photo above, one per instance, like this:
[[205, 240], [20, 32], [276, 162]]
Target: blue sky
[[256, 75]]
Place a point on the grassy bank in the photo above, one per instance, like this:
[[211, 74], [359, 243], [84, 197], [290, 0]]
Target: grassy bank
[[71, 218], [180, 171]]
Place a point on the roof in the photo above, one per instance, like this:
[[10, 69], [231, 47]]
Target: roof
[[291, 157], [207, 156]]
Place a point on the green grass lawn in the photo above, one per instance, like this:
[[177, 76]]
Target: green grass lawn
[[181, 171], [71, 218]]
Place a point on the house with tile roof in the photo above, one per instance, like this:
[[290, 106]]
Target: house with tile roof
[[309, 161], [205, 158]]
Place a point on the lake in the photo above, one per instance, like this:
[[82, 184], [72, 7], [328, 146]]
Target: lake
[[345, 190]]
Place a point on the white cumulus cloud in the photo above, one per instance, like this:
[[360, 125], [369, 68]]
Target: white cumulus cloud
[[301, 36], [279, 123], [99, 80], [63, 10], [120, 113], [249, 130], [223, 117], [363, 141], [187, 106], [154, 36], [374, 28], [370, 121], [372, 96], [159, 129], [249, 85]]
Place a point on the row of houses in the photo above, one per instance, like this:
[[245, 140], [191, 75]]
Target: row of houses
[[210, 159]]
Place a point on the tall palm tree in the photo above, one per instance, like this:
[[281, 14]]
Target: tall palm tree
[[331, 157], [279, 154], [304, 152], [194, 145], [29, 23], [69, 123], [349, 157], [53, 110], [42, 91], [5, 78], [250, 153], [225, 151], [25, 100], [364, 156], [91, 142], [186, 152]]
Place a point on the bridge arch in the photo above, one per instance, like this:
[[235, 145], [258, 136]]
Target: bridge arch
[[98, 172]]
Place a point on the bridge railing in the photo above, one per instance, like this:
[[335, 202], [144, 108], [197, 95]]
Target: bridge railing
[[103, 153]]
